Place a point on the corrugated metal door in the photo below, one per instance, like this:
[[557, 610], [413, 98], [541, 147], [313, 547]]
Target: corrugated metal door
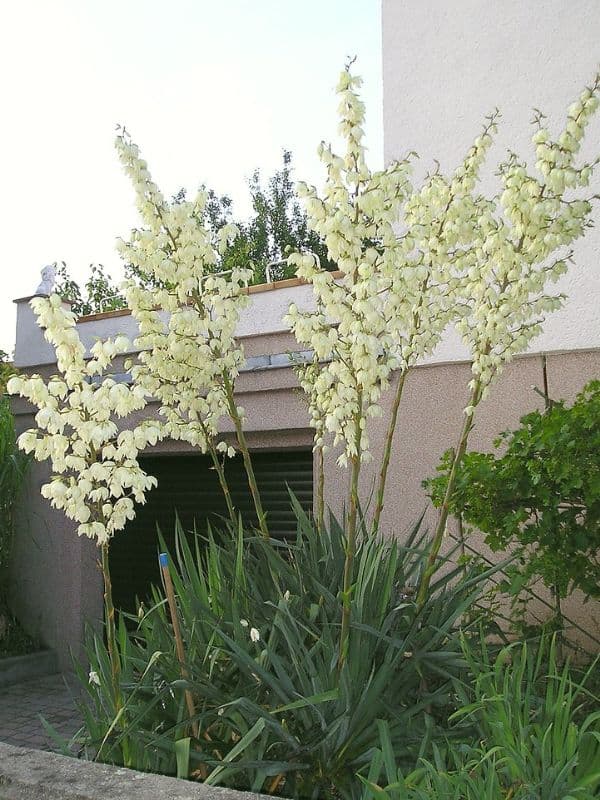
[[188, 487]]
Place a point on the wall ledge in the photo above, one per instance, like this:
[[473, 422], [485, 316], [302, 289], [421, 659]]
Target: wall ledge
[[31, 296], [258, 288], [37, 775]]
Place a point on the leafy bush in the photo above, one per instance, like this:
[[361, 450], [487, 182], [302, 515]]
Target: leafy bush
[[529, 741], [13, 465], [6, 370], [97, 294], [260, 624], [542, 494]]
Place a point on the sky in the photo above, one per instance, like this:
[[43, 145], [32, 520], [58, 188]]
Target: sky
[[209, 90]]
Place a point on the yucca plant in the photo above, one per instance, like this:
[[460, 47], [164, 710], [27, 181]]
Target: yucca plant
[[526, 737], [260, 623]]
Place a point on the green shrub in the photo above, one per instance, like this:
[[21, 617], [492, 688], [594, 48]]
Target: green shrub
[[260, 623], [13, 465], [541, 496], [530, 739]]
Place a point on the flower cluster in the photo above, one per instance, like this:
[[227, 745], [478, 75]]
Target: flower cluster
[[442, 223], [187, 311], [96, 475], [520, 245], [349, 331], [400, 253], [414, 261]]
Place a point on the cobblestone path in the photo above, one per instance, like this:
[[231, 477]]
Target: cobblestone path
[[22, 704]]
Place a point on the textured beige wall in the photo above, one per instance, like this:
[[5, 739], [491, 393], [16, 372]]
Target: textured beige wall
[[430, 422], [56, 585]]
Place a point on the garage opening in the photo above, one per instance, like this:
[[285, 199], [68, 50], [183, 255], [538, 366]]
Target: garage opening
[[188, 487]]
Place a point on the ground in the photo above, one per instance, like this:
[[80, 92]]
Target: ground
[[22, 704]]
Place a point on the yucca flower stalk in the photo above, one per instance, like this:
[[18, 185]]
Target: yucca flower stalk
[[96, 478], [520, 245], [354, 353], [187, 312]]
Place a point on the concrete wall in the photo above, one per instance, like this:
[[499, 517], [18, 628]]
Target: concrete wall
[[263, 317], [56, 584], [27, 774]]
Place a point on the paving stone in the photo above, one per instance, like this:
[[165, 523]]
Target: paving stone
[[22, 704]]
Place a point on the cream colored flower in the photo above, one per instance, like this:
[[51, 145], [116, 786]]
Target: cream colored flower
[[96, 475]]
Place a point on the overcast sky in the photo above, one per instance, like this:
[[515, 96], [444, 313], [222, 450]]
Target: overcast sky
[[209, 90]]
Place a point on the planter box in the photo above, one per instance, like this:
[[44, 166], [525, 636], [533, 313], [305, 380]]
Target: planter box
[[23, 668]]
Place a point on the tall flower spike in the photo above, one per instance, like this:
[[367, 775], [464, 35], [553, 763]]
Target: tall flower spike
[[187, 313], [523, 245], [354, 350], [520, 245], [96, 477], [347, 332]]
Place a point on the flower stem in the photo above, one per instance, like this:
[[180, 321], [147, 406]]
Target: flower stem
[[438, 536], [243, 445], [387, 453], [224, 485], [350, 545], [111, 635], [111, 640], [320, 490]]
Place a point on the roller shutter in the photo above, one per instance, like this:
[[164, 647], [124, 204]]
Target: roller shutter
[[188, 487]]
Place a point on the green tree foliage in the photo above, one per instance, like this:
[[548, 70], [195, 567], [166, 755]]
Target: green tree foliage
[[13, 465], [6, 370], [542, 495], [277, 226], [98, 293]]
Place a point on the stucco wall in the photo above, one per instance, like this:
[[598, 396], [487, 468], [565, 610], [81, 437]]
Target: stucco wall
[[56, 584], [447, 65]]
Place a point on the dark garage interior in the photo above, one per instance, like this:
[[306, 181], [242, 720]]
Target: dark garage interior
[[188, 487]]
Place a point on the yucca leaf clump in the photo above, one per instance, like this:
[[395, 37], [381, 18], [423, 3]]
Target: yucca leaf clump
[[260, 623]]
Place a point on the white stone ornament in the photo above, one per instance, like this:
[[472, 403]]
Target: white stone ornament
[[46, 287]]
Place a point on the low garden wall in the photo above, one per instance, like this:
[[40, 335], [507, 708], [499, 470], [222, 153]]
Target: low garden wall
[[36, 775]]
